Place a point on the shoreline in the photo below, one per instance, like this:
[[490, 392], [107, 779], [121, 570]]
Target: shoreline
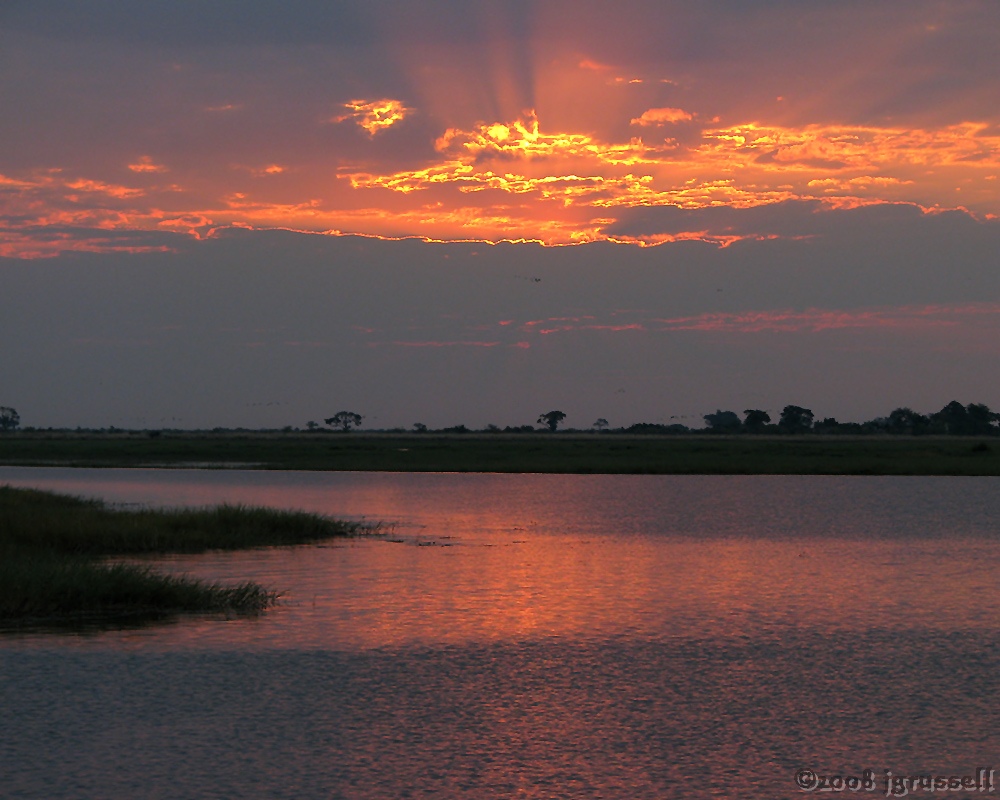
[[558, 453]]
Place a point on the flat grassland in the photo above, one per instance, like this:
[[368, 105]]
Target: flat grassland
[[561, 452]]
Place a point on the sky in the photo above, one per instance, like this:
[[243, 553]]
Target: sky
[[256, 214]]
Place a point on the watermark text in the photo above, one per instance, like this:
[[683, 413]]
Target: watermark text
[[890, 784]]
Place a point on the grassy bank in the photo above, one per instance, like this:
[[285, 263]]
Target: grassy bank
[[537, 452], [55, 551]]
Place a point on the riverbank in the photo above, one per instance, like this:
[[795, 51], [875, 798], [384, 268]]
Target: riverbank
[[58, 568], [606, 453]]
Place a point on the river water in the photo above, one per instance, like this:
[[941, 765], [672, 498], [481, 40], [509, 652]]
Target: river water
[[537, 636]]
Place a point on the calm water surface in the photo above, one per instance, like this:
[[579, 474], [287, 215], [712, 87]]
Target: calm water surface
[[536, 636]]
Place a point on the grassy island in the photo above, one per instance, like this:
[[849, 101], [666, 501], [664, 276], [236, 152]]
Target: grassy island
[[57, 554]]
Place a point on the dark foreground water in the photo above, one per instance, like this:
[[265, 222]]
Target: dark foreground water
[[540, 637]]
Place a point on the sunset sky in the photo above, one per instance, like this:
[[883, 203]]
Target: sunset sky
[[249, 213]]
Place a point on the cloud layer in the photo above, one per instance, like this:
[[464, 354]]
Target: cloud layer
[[234, 212], [508, 121], [265, 329]]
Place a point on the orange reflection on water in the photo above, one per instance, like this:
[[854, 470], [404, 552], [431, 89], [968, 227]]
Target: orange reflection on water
[[514, 558], [428, 591]]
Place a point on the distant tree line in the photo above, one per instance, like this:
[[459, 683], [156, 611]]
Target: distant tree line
[[975, 419]]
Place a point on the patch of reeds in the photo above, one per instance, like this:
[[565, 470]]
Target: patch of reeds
[[43, 589], [64, 524], [54, 552]]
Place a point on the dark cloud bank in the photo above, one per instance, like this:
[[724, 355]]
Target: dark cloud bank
[[267, 328]]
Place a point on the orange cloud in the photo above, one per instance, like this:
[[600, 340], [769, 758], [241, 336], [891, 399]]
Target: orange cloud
[[857, 147], [523, 139], [635, 326], [265, 171], [146, 164], [48, 242], [191, 224], [516, 180], [374, 115], [816, 320], [100, 187], [594, 66], [861, 183], [565, 180], [445, 344], [662, 116], [13, 183], [910, 319]]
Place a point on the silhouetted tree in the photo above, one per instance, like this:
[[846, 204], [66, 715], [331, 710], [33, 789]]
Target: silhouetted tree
[[755, 420], [907, 421], [9, 419], [345, 420], [952, 419], [795, 419], [419, 427], [551, 419], [981, 421], [723, 422], [600, 424]]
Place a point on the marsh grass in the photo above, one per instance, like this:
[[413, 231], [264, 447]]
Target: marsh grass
[[55, 551], [71, 525], [77, 591]]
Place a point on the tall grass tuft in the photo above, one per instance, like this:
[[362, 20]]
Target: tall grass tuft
[[77, 590], [64, 524], [51, 547]]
